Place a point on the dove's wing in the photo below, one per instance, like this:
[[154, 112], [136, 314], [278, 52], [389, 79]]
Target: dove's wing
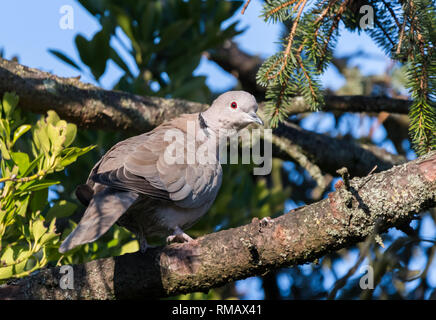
[[147, 170]]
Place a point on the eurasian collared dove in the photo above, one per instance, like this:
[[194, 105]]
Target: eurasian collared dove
[[135, 186]]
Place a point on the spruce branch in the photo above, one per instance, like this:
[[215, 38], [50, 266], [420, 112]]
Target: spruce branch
[[405, 30]]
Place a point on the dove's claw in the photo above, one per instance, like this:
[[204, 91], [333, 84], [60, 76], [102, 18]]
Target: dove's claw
[[265, 221], [178, 236]]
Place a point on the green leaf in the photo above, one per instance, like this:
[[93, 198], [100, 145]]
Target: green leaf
[[70, 134], [21, 160], [10, 101], [39, 200], [5, 129], [129, 247], [4, 150], [65, 58], [61, 209], [52, 117], [37, 229], [40, 137], [22, 206], [51, 234], [54, 135], [32, 165], [71, 154], [39, 185], [8, 255], [20, 131]]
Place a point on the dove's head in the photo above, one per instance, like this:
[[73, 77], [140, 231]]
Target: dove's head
[[232, 110]]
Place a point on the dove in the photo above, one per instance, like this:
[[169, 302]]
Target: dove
[[140, 185]]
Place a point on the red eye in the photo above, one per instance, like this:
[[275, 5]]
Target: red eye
[[233, 105]]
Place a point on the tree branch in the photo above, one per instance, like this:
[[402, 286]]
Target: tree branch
[[325, 151], [90, 106], [245, 66], [381, 200], [87, 105], [368, 104]]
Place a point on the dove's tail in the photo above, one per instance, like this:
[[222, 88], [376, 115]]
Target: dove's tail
[[103, 211]]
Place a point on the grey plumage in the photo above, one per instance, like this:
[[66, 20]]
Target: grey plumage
[[135, 186]]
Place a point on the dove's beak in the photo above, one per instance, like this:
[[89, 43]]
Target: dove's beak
[[255, 118]]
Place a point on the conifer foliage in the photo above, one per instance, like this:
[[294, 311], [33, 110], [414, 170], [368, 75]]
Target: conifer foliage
[[406, 30]]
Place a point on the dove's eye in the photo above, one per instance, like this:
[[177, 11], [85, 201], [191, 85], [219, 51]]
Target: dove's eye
[[233, 105]]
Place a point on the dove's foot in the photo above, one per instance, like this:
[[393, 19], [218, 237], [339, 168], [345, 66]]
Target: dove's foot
[[178, 236]]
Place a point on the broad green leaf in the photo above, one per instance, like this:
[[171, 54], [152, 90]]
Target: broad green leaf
[[37, 229], [85, 52], [129, 247], [22, 206], [6, 272], [70, 134], [10, 101], [40, 137], [7, 256], [50, 234], [55, 137], [52, 117], [39, 200], [21, 160]]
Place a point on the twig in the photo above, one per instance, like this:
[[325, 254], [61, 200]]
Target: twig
[[336, 20], [343, 172], [297, 154], [280, 7], [299, 5], [392, 13], [245, 6], [343, 281]]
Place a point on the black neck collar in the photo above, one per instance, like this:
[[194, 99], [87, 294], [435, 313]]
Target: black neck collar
[[203, 124]]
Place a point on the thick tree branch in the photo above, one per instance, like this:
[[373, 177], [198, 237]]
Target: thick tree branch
[[350, 214], [90, 106], [87, 105]]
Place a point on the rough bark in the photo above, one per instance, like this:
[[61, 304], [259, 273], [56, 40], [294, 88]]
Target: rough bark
[[87, 105], [93, 107], [347, 216]]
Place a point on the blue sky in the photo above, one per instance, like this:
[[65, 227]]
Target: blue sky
[[30, 28]]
